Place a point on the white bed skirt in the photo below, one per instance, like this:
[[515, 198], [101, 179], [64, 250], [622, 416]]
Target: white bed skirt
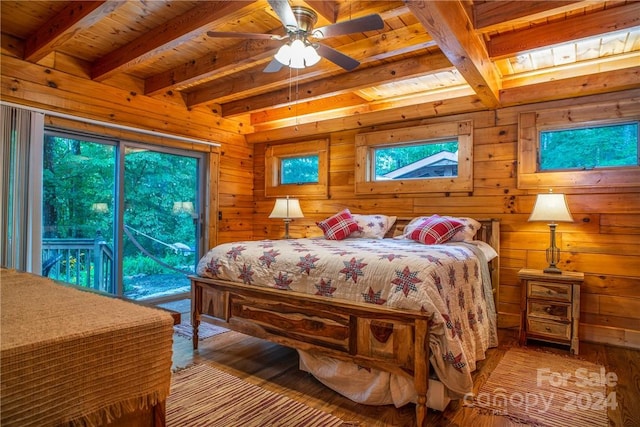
[[370, 386]]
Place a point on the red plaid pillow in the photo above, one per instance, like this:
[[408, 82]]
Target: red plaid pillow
[[338, 226], [435, 230]]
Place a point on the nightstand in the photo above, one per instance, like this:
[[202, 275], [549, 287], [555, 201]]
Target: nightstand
[[550, 307]]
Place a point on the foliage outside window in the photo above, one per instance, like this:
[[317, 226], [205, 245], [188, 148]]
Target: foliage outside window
[[600, 146], [430, 158], [297, 169], [591, 145]]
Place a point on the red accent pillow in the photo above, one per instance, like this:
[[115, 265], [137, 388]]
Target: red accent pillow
[[435, 230], [338, 226]]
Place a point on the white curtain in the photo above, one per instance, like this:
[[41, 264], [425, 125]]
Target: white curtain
[[21, 189]]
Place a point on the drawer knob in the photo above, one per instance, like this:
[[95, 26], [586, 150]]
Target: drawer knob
[[548, 329]]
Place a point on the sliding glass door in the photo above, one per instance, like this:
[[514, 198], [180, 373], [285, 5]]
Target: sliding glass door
[[78, 210], [160, 222], [121, 217]]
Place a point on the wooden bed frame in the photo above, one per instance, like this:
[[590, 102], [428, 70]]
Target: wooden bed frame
[[393, 340]]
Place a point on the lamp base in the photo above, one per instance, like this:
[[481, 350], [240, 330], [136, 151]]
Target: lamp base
[[552, 270]]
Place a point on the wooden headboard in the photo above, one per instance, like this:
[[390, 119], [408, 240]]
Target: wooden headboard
[[489, 233]]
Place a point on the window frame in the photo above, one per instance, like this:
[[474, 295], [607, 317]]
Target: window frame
[[366, 143], [273, 161], [532, 122]]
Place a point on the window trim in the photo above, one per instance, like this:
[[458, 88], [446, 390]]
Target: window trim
[[532, 122], [275, 153], [436, 133]]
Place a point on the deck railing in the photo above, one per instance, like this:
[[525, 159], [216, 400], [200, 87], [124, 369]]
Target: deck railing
[[84, 262]]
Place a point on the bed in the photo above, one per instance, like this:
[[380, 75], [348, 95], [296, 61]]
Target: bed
[[387, 305], [70, 357]]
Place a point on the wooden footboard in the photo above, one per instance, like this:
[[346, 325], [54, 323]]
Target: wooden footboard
[[378, 337]]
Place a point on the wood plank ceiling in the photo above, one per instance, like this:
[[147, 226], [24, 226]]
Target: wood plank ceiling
[[489, 53]]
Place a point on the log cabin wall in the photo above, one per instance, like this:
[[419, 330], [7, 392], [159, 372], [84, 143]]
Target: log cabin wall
[[603, 242]]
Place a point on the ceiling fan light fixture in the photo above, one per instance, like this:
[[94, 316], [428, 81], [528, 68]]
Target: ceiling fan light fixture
[[284, 54], [297, 54], [311, 57], [296, 62]]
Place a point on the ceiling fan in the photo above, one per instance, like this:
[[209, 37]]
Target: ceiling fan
[[301, 49]]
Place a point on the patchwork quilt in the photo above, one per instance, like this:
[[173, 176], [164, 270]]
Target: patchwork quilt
[[450, 280]]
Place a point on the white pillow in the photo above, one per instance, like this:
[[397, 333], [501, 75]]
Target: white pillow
[[486, 248], [372, 226]]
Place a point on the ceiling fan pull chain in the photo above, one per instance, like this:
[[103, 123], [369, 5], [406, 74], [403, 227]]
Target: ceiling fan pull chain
[[296, 104]]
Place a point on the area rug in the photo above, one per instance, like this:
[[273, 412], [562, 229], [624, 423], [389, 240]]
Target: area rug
[[205, 396], [544, 389], [205, 330]]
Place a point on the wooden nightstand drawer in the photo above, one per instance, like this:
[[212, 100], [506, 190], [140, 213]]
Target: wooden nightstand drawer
[[549, 329], [550, 305], [549, 310], [549, 290]]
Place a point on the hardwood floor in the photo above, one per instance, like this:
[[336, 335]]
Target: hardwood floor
[[276, 368]]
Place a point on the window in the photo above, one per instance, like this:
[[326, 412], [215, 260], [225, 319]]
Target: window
[[415, 161], [431, 158], [592, 145], [609, 145], [297, 169]]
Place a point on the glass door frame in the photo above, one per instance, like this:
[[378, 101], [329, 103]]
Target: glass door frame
[[199, 208], [120, 145]]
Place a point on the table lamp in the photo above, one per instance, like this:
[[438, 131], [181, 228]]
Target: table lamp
[[552, 208], [286, 209]]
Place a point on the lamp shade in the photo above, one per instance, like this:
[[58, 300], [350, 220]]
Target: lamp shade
[[297, 54], [551, 207], [286, 208]]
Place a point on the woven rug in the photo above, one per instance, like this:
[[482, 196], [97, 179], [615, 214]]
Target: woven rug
[[204, 396], [205, 330], [544, 389]]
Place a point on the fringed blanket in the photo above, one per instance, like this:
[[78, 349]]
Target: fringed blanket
[[74, 357]]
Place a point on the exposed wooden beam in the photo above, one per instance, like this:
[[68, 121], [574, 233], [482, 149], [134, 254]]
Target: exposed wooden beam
[[369, 120], [583, 68], [74, 17], [350, 105], [579, 27], [449, 25], [342, 83], [628, 78], [403, 40], [217, 64], [500, 13], [166, 36]]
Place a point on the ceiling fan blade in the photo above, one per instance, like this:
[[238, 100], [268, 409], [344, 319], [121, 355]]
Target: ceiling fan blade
[[358, 25], [244, 35], [273, 67], [338, 58], [285, 13]]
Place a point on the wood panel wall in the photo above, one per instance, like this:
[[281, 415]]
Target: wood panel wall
[[603, 242]]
